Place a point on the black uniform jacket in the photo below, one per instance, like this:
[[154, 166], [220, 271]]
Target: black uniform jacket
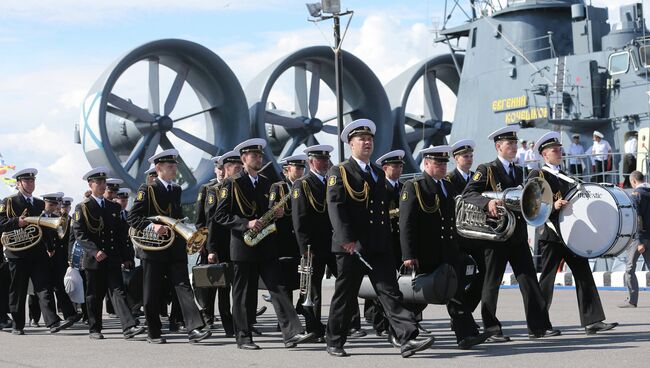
[[238, 203], [560, 188], [311, 222], [218, 235], [358, 208], [97, 228], [286, 236], [427, 223], [201, 205], [457, 180], [11, 209], [153, 200]]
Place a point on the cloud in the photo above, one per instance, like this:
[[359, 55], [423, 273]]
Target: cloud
[[88, 12]]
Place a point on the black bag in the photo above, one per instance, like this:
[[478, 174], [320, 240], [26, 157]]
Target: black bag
[[216, 275], [437, 287]]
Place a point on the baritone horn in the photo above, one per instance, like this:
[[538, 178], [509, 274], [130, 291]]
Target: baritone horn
[[534, 201], [306, 270], [28, 236], [149, 240]]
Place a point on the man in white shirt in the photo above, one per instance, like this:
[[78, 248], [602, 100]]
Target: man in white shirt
[[532, 157], [629, 161], [600, 152], [575, 149], [521, 153]]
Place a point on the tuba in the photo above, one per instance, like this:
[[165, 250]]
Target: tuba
[[28, 236], [252, 237], [534, 201], [147, 239]]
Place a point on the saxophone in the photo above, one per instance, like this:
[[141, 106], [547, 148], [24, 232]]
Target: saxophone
[[252, 237]]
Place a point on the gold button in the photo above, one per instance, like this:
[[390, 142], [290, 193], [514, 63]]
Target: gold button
[[382, 202], [371, 211], [382, 222], [371, 221], [382, 212], [442, 227], [371, 201]]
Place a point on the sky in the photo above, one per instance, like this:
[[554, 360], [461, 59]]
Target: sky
[[53, 52]]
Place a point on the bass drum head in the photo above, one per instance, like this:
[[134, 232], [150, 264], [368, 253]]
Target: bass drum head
[[589, 224]]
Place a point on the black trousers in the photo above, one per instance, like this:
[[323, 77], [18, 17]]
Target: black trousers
[[344, 301], [629, 165], [107, 278], [473, 294], [5, 281], [575, 169], [589, 304], [600, 167], [515, 251], [178, 277], [244, 295], [22, 270], [59, 266]]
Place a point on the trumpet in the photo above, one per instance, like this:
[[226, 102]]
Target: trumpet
[[306, 270], [149, 240], [28, 236]]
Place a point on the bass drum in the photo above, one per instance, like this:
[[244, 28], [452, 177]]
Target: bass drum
[[599, 221]]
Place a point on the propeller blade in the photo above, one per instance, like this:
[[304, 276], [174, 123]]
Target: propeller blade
[[278, 117], [433, 110], [195, 141], [300, 87], [175, 91], [291, 146], [137, 150], [414, 120], [130, 108], [154, 86], [314, 89], [330, 129], [150, 150], [194, 114]]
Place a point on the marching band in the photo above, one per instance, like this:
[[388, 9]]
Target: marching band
[[355, 219]]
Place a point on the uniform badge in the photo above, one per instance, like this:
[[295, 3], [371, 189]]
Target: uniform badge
[[140, 195], [223, 193], [2, 207], [405, 195], [76, 216], [210, 199], [296, 193], [557, 196], [198, 199], [272, 197], [331, 181], [477, 176]]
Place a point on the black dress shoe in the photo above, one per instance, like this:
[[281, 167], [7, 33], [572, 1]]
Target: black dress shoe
[[198, 335], [356, 333], [392, 339], [230, 334], [58, 326], [470, 341], [6, 324], [301, 338], [133, 331], [599, 327], [17, 332], [96, 336], [498, 338], [422, 329], [33, 323], [260, 310], [544, 333], [248, 346], [156, 340], [174, 326], [413, 346], [335, 351], [255, 331], [267, 298]]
